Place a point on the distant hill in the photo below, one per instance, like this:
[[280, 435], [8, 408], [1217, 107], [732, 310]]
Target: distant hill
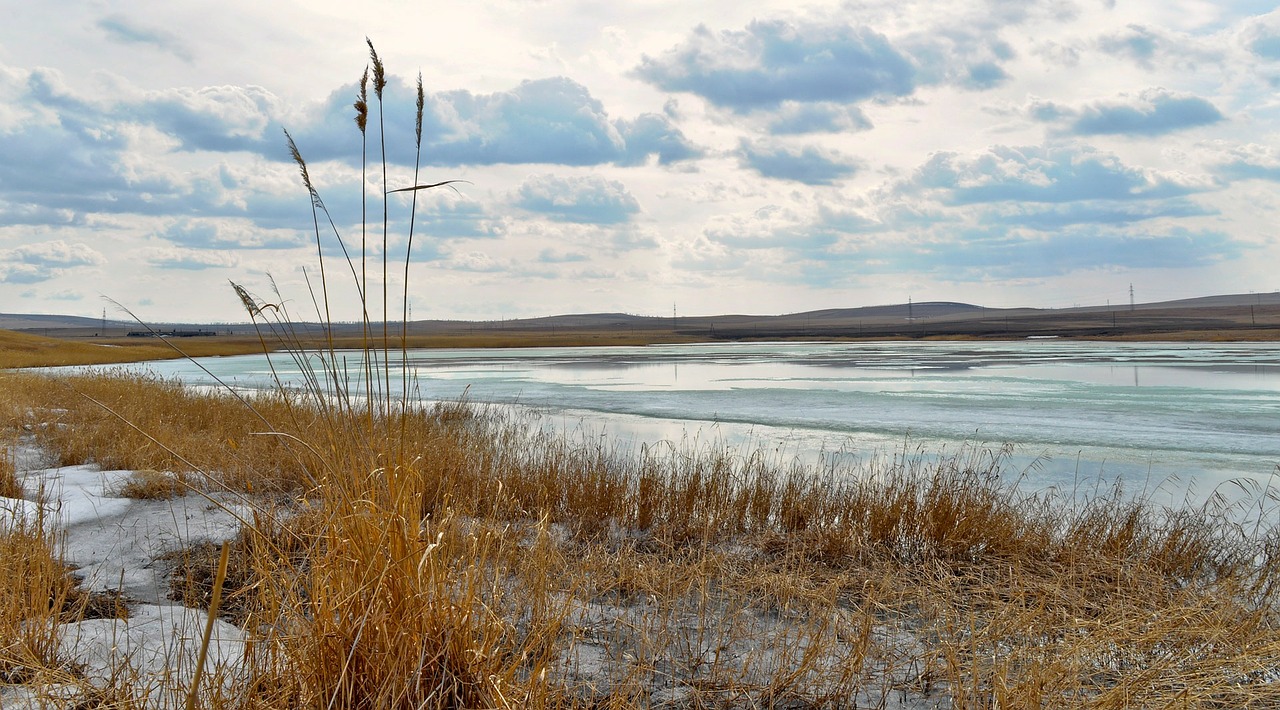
[[1226, 301], [1229, 312], [25, 321], [926, 309]]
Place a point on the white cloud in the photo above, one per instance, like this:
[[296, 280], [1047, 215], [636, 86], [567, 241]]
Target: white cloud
[[190, 260], [1152, 112], [773, 61], [120, 28], [808, 165], [586, 199], [41, 261]]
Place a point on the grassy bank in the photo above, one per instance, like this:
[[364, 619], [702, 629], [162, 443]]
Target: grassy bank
[[450, 558], [19, 350]]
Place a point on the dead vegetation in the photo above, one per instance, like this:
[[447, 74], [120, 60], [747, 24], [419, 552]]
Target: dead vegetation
[[19, 350], [10, 487]]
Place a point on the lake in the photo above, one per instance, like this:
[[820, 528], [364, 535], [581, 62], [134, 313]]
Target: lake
[[1174, 419]]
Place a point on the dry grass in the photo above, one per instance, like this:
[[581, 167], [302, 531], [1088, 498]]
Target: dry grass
[[36, 594], [132, 422], [32, 579], [24, 350], [10, 486], [147, 484]]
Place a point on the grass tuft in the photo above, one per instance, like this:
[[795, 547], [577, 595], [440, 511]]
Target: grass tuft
[[10, 486], [148, 484]]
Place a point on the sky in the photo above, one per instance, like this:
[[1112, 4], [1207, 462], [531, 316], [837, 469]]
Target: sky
[[639, 157]]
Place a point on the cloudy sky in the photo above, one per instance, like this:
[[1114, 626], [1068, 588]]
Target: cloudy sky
[[745, 157]]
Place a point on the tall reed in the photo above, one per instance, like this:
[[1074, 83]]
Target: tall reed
[[382, 616]]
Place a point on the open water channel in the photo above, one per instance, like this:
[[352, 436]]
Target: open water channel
[[1173, 420]]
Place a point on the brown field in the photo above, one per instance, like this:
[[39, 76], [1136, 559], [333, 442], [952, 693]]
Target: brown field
[[26, 350]]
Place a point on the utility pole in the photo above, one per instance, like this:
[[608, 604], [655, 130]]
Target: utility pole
[[1131, 296]]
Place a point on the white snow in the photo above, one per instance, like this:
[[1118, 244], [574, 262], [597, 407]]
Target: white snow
[[17, 512], [157, 648], [112, 543]]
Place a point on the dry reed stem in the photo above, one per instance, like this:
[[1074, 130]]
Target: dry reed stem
[[215, 600], [10, 486], [37, 593]]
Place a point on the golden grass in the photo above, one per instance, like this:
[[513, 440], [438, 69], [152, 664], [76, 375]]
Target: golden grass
[[128, 421], [25, 350], [36, 593], [10, 486], [148, 484]]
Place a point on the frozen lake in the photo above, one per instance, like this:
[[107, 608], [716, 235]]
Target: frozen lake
[[1174, 417]]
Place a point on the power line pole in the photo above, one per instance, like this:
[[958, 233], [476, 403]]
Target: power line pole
[[1131, 296]]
